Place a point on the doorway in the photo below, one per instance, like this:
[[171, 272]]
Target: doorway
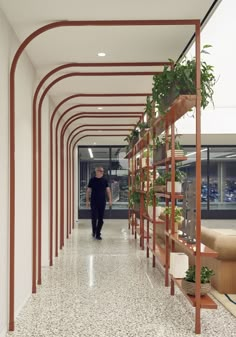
[[111, 158]]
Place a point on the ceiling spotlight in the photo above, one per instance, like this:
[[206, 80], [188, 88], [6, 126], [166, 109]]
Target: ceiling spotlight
[[101, 54], [100, 108], [90, 152]]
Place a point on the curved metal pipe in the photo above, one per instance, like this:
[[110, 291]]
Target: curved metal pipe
[[12, 122], [69, 222]]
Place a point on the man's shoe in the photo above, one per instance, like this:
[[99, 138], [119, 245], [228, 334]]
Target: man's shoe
[[98, 238]]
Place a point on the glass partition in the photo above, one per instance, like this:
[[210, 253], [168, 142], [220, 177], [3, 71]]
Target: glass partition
[[116, 172], [119, 178], [88, 161], [222, 178]]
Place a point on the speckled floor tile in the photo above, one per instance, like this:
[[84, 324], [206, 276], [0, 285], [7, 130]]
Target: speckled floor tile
[[109, 289]]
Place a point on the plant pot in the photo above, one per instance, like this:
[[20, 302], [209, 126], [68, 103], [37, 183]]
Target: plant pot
[[150, 211], [189, 288], [178, 187], [159, 153]]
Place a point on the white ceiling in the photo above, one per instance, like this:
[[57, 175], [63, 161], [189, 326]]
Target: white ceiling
[[121, 44]]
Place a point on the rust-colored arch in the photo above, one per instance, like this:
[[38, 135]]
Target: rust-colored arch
[[69, 173], [39, 213], [122, 129], [39, 87], [39, 162], [63, 130], [73, 173], [12, 120], [79, 116]]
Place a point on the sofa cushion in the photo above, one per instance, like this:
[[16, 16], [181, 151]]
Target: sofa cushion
[[222, 241]]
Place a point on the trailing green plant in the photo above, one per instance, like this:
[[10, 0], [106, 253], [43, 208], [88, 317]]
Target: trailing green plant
[[137, 180], [178, 146], [134, 198], [178, 213], [151, 196], [148, 107], [206, 274], [160, 180], [179, 175], [181, 79], [143, 125], [159, 141], [132, 136]]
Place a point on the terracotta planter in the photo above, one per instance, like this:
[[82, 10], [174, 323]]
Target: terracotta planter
[[189, 288]]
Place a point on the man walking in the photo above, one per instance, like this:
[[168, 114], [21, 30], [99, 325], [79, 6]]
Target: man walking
[[97, 188]]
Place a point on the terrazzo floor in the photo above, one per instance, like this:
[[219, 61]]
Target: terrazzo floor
[[108, 288]]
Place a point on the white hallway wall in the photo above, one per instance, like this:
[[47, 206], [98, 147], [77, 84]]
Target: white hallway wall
[[25, 83], [223, 53], [4, 168]]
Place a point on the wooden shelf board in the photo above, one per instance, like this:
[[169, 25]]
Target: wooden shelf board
[[177, 159], [205, 251], [168, 195], [180, 106], [206, 301]]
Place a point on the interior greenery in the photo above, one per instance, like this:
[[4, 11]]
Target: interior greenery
[[180, 79], [206, 274], [178, 213]]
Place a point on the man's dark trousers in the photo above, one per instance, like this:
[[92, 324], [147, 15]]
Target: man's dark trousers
[[97, 214]]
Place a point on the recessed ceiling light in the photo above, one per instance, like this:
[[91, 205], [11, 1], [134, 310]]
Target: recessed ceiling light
[[232, 155], [100, 108], [90, 152], [101, 54]]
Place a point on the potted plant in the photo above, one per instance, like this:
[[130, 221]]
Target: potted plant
[[160, 183], [148, 110], [159, 149], [188, 283], [178, 218], [134, 200], [133, 137], [151, 196], [179, 179], [143, 127], [179, 152], [181, 80], [147, 178], [137, 181]]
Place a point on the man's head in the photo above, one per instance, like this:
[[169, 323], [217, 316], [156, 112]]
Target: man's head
[[99, 171]]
